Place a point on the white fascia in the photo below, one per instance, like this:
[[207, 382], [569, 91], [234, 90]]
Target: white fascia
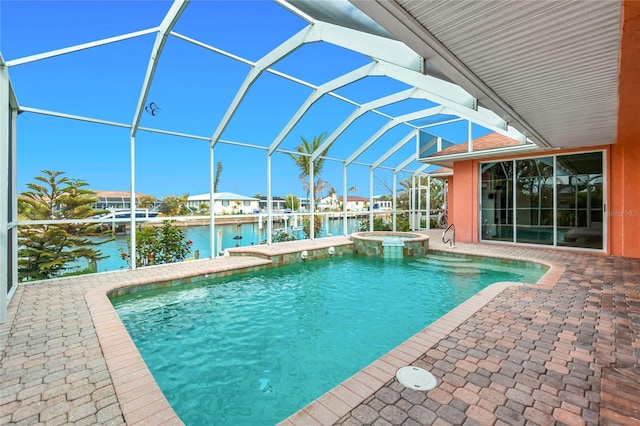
[[317, 93], [391, 124], [169, 21], [508, 150], [362, 109]]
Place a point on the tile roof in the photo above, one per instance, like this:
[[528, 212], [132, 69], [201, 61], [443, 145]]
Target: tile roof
[[442, 170], [117, 194], [221, 196], [483, 143]]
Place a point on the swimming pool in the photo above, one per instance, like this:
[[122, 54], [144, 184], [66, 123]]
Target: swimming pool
[[254, 348]]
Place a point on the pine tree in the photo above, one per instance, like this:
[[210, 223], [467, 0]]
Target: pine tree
[[47, 251]]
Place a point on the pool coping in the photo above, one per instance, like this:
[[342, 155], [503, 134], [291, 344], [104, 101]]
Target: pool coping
[[142, 401]]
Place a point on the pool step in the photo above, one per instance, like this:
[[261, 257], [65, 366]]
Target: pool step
[[457, 264], [468, 266], [446, 259]]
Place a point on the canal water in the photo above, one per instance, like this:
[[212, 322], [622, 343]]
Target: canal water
[[228, 235]]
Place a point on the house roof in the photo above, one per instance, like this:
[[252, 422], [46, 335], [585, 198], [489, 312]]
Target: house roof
[[442, 171], [355, 198], [117, 194], [232, 197], [490, 141], [483, 147], [226, 196]]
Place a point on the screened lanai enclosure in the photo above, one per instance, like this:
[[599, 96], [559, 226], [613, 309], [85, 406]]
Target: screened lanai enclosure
[[149, 96]]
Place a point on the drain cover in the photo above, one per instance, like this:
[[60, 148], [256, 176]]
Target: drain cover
[[416, 378]]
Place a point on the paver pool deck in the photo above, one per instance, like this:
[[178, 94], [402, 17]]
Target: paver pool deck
[[565, 351]]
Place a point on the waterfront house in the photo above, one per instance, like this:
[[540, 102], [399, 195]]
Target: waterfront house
[[224, 203], [113, 200]]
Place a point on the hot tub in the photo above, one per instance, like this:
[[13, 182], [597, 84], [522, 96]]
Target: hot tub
[[389, 244]]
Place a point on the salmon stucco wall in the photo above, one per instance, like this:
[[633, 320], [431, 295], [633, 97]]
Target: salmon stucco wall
[[465, 200], [624, 194]]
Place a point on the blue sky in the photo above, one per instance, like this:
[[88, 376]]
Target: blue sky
[[192, 87]]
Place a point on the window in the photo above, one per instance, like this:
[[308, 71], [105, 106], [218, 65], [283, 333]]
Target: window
[[247, 202], [225, 202], [497, 201]]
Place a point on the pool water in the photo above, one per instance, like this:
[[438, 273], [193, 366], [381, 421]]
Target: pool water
[[252, 349]]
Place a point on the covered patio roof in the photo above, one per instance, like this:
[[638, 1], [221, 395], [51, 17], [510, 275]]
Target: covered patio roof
[[549, 68]]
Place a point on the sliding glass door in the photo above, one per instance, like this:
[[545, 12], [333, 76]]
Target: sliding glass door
[[534, 201], [554, 200], [579, 198]]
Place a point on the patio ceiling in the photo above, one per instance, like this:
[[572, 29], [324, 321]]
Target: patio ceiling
[[548, 67]]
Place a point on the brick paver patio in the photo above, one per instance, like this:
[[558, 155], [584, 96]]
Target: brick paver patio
[[567, 353]]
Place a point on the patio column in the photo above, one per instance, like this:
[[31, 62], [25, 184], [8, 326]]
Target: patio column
[[345, 228], [312, 203], [395, 200], [132, 202], [412, 208], [428, 202], [8, 193], [212, 220], [370, 199], [269, 201]]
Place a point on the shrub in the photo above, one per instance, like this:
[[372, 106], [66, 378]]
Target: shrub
[[378, 225], [158, 244], [282, 236]]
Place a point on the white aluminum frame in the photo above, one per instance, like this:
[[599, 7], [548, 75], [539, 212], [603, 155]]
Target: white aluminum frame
[[389, 59]]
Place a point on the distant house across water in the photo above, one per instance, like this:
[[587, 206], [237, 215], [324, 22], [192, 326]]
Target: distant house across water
[[113, 200], [277, 203], [224, 203], [355, 203]]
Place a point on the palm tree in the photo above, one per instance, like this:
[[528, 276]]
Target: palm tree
[[303, 161], [216, 179], [146, 201]]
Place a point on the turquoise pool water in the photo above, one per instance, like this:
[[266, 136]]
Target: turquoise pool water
[[254, 348]]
